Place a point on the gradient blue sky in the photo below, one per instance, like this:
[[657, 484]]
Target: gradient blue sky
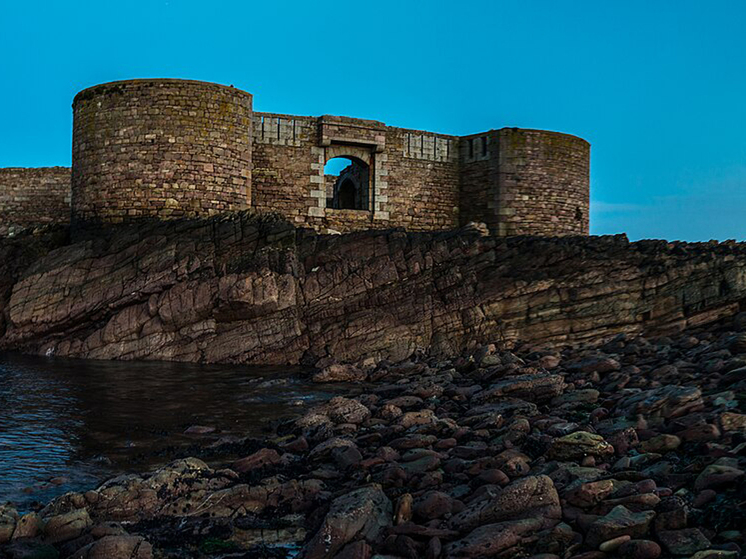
[[658, 88]]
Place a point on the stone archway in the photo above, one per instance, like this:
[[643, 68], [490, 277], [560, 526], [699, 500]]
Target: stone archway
[[374, 199], [350, 188]]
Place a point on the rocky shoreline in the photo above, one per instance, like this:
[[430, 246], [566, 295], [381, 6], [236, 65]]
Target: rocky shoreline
[[633, 449]]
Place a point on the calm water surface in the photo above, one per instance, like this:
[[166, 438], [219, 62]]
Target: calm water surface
[[67, 425]]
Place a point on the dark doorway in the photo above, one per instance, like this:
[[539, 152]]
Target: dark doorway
[[346, 195], [347, 183]]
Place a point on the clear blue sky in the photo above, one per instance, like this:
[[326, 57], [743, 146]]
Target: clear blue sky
[[658, 88]]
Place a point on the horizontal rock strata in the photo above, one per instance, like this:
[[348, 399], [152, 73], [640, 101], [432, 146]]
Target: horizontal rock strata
[[252, 289]]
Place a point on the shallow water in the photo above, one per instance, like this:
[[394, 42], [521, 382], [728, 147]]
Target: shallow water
[[67, 425]]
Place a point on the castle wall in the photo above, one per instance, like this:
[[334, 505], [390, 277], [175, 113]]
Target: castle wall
[[543, 183], [32, 197], [478, 195], [282, 164], [160, 148], [423, 179], [414, 179], [163, 148]]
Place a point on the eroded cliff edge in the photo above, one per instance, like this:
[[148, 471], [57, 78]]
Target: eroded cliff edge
[[253, 289]]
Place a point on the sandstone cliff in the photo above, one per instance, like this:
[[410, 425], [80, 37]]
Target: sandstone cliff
[[253, 289]]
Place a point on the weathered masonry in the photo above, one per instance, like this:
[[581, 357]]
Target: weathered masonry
[[164, 148], [31, 197]]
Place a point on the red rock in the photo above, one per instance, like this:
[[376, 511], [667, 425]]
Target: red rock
[[436, 504], [360, 514], [716, 476], [700, 433], [492, 539], [618, 522], [260, 459], [639, 549], [683, 542], [589, 494], [703, 497], [339, 373], [529, 497]]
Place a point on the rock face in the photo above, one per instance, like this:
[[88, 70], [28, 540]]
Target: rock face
[[252, 289]]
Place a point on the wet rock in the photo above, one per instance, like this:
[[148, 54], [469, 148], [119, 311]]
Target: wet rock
[[586, 495], [578, 445], [532, 388], [436, 504], [345, 410], [700, 433], [599, 365], [323, 450], [733, 422], [493, 539], [716, 476], [610, 546], [68, 526], [586, 396], [529, 497], [347, 456], [661, 444], [434, 548], [359, 514], [339, 373], [403, 511], [619, 522], [117, 547], [639, 549], [666, 401], [28, 526], [8, 519], [413, 418], [683, 542], [260, 459]]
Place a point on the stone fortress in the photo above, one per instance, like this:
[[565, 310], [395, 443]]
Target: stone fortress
[[168, 148]]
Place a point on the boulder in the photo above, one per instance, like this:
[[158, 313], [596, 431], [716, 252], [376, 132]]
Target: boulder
[[117, 547], [532, 388], [683, 542], [666, 401], [578, 445], [361, 514], [529, 497], [339, 373], [28, 526], [716, 476], [619, 522], [8, 519], [260, 459], [65, 527], [346, 410], [491, 540]]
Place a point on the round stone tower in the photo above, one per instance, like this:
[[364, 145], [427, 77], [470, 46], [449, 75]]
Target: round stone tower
[[543, 183], [160, 148]]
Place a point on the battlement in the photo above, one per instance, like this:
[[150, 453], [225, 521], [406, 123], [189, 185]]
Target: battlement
[[165, 148]]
